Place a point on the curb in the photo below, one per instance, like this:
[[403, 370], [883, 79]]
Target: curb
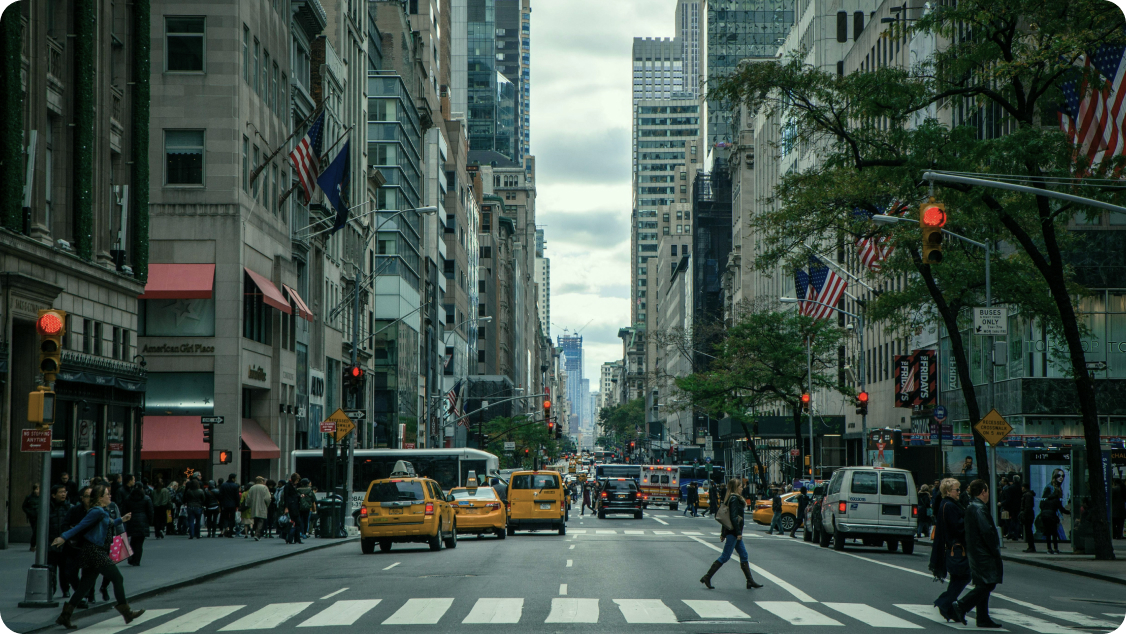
[[95, 609], [1059, 568]]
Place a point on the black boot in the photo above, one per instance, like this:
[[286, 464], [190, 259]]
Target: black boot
[[707, 579], [746, 568], [128, 613], [64, 618], [958, 613]]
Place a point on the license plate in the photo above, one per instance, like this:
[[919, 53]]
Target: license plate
[[469, 511], [545, 506], [395, 511], [620, 497]]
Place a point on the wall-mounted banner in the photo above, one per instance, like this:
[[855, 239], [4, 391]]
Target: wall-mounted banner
[[926, 366], [906, 380]]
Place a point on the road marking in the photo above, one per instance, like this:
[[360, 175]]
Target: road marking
[[420, 612], [114, 625], [796, 613], [580, 531], [716, 610], [659, 520], [1071, 617], [496, 611], [393, 565], [914, 572], [716, 534], [340, 613], [1031, 622], [573, 611], [645, 611], [195, 620], [634, 532], [663, 533], [570, 562], [690, 533], [604, 532], [572, 547], [930, 613], [563, 589], [267, 617], [871, 616], [798, 594], [333, 594]]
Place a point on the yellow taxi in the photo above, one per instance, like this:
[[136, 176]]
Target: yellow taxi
[[406, 508], [537, 501], [764, 513], [479, 510]]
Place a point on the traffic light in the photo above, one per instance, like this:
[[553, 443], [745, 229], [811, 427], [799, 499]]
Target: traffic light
[[41, 407], [353, 376], [546, 409], [932, 218], [225, 457], [207, 438], [51, 326], [551, 428], [862, 403], [805, 398]]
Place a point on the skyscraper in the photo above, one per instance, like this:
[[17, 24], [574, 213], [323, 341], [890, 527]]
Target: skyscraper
[[498, 69], [689, 19], [543, 278], [572, 346]]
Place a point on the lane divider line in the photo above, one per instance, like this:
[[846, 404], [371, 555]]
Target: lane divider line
[[570, 563], [333, 594], [572, 547], [563, 589], [393, 565], [798, 594]]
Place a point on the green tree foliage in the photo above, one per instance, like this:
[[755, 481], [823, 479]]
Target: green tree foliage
[[527, 433], [620, 424]]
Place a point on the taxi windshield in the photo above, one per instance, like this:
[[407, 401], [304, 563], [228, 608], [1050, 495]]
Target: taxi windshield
[[480, 493], [401, 491], [535, 481]]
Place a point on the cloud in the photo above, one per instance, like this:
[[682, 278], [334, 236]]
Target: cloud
[[593, 157], [592, 229]]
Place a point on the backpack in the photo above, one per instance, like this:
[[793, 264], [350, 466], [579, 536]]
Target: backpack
[[723, 515], [306, 501]]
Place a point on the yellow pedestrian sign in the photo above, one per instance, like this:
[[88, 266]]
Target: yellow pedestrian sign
[[993, 428], [344, 425]]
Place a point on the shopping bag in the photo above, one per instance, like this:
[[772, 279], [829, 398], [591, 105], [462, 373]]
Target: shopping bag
[[120, 550], [169, 512]]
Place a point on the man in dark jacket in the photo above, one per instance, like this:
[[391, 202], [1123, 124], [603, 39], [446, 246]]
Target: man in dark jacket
[[803, 502], [228, 505], [71, 487], [292, 500], [1027, 515], [1011, 505], [776, 507], [693, 499], [983, 548], [56, 524]]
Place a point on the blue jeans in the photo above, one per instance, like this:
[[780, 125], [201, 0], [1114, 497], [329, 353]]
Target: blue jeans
[[733, 543], [194, 515], [776, 523]]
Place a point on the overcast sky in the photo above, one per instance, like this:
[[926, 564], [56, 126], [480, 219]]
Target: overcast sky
[[580, 135]]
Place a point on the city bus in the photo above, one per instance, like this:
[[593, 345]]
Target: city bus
[[605, 471], [699, 475]]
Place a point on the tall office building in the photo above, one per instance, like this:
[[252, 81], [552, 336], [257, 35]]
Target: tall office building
[[572, 346], [739, 30], [543, 278], [498, 70], [689, 20]]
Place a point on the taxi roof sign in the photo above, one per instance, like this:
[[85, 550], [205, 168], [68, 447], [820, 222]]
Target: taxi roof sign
[[993, 428], [403, 468]]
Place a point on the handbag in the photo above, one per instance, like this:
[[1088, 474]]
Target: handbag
[[120, 550], [283, 520], [723, 516], [168, 516]]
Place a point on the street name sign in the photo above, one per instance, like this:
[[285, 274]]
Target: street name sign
[[355, 414], [510, 445], [344, 425], [993, 428], [211, 420], [991, 321]]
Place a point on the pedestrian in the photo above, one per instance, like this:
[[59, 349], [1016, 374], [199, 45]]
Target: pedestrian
[[984, 549], [1118, 508], [308, 504], [56, 524], [211, 507], [141, 508], [948, 550], [272, 509], [71, 488], [586, 499], [128, 481], [114, 484], [714, 494], [194, 500], [292, 500], [72, 548], [246, 515], [1051, 505], [732, 538], [31, 511], [258, 501], [922, 526], [162, 508], [95, 532], [1026, 516], [1012, 508], [803, 502], [228, 506], [693, 499], [776, 507]]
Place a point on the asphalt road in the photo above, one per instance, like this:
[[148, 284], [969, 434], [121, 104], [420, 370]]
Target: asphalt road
[[612, 575]]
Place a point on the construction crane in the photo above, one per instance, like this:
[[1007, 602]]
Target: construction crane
[[567, 330]]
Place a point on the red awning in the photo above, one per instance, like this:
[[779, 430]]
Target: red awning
[[270, 293], [302, 309], [179, 281], [173, 438], [257, 441]]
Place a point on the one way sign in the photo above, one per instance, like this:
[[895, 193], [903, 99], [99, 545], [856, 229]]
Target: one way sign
[[991, 321]]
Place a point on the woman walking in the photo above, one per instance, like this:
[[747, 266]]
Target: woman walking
[[733, 538], [162, 508], [1050, 508], [193, 502], [141, 508], [94, 532], [948, 551]]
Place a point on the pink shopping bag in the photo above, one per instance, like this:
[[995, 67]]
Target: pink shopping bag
[[120, 550]]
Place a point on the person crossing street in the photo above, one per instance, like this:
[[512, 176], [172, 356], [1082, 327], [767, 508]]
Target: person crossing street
[[983, 547], [803, 502], [732, 538]]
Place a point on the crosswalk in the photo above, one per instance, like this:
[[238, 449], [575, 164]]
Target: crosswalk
[[635, 532], [565, 609]]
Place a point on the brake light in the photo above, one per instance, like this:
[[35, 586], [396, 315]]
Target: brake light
[[429, 508], [603, 494], [364, 511], [841, 507], [914, 511]]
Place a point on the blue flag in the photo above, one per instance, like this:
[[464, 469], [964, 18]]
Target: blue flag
[[334, 183]]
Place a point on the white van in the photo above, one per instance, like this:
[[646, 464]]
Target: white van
[[875, 505]]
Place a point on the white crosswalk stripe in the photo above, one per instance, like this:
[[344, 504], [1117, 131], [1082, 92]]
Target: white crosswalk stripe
[[930, 613], [195, 620], [568, 610], [420, 612], [796, 613], [115, 624], [581, 531], [716, 609], [268, 617], [1079, 619], [871, 616], [496, 611], [634, 532], [663, 533], [645, 611], [340, 613], [1012, 617], [690, 533], [605, 532]]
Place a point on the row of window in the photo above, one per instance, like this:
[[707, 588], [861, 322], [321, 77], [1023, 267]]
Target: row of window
[[262, 74], [94, 341]]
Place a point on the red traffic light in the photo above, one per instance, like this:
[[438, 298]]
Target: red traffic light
[[356, 372], [49, 324], [547, 404], [550, 425], [805, 399], [862, 397], [934, 216], [525, 451]]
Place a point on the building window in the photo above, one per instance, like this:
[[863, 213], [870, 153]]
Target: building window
[[480, 356], [97, 339], [665, 230], [256, 318], [274, 189], [674, 250], [183, 157], [481, 310], [246, 53], [480, 286], [486, 253], [257, 67], [183, 44], [274, 88], [842, 26], [857, 24], [246, 164], [254, 166], [265, 77]]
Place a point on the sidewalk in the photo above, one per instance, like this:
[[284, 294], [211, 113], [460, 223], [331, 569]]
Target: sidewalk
[[1085, 565], [168, 563]]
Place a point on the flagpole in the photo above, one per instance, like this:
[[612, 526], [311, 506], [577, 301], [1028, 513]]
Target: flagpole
[[341, 137], [266, 161], [828, 262]]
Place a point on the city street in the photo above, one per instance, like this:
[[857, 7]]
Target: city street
[[622, 574]]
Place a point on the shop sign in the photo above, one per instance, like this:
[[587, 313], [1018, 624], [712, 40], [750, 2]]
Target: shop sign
[[256, 373], [115, 446], [35, 440], [183, 348]]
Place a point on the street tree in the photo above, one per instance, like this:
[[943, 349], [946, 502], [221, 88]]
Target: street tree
[[620, 424]]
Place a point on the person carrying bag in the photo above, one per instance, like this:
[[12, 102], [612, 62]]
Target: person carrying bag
[[730, 517]]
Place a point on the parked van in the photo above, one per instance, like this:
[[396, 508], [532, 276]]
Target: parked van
[[875, 505], [536, 501]]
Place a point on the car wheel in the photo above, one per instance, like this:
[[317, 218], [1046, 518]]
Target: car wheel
[[562, 528], [501, 533], [435, 540], [509, 530], [822, 537], [838, 540], [367, 546], [908, 545], [385, 545], [452, 541], [893, 545], [787, 523]]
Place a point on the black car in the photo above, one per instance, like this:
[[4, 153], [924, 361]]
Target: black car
[[619, 495], [813, 515]]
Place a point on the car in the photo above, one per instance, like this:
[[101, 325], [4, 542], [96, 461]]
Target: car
[[619, 496], [876, 505], [406, 508], [479, 510], [537, 501], [764, 511], [811, 532]]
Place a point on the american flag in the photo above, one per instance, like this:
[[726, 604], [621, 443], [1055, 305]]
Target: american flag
[[801, 289], [306, 158], [828, 287], [873, 250], [1092, 113]]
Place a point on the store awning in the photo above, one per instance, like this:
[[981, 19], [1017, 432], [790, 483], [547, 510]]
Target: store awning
[[173, 438], [302, 309], [179, 281], [270, 293], [259, 443]]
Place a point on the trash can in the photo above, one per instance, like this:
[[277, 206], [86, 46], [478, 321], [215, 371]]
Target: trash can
[[328, 517]]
